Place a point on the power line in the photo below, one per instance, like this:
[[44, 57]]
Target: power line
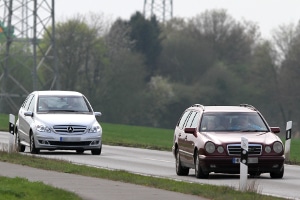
[[23, 24], [162, 9]]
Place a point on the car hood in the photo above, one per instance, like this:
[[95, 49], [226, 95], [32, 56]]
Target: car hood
[[66, 119], [252, 137]]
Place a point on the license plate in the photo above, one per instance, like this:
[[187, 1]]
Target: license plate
[[69, 139], [250, 160]]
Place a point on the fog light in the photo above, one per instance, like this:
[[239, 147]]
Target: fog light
[[95, 142], [220, 149], [268, 149], [44, 142]]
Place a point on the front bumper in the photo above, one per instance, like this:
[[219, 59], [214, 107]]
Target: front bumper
[[262, 164], [51, 141]]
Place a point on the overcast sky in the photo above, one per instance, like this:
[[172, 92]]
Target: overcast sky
[[268, 14]]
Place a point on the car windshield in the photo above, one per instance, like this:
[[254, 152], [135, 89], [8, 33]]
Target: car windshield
[[246, 122], [62, 103]]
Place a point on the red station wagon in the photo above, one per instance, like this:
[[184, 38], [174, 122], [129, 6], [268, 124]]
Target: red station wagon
[[208, 139]]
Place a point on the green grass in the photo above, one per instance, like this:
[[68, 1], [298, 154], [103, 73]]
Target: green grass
[[137, 136], [4, 122], [295, 151], [19, 188]]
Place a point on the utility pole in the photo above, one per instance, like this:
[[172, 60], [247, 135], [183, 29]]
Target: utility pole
[[23, 23], [162, 9]]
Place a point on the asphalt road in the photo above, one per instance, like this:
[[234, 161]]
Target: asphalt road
[[162, 164]]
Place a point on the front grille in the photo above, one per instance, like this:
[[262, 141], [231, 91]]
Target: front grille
[[69, 129], [253, 149]]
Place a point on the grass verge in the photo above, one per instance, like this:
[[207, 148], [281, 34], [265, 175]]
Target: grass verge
[[20, 188]]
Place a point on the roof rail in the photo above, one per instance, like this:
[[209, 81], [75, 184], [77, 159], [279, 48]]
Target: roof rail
[[248, 106], [198, 105]]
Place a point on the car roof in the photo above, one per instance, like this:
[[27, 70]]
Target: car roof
[[241, 108], [58, 93]]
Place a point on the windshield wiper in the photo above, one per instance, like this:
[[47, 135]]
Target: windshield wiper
[[66, 110], [252, 130]]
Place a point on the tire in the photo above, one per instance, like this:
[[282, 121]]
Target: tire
[[19, 146], [198, 170], [33, 149], [180, 170], [79, 151], [96, 151], [277, 174]]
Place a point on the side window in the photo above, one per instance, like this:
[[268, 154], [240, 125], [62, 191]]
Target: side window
[[27, 101], [196, 120], [187, 119], [183, 119], [190, 119], [31, 104]]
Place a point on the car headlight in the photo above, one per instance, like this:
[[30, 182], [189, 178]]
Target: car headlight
[[277, 147], [95, 129], [43, 128], [210, 147]]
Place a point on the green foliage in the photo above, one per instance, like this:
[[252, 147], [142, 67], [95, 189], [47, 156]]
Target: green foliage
[[146, 36], [186, 54], [121, 88]]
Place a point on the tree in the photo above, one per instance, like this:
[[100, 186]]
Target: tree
[[186, 55], [146, 36], [289, 74], [81, 54], [121, 87], [263, 79], [157, 97], [232, 41]]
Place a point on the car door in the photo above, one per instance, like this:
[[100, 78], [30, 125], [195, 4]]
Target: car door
[[187, 143], [190, 140], [21, 116], [182, 135], [25, 121]]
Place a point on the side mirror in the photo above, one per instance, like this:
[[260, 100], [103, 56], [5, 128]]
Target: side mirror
[[28, 113], [191, 131], [275, 129], [97, 114]]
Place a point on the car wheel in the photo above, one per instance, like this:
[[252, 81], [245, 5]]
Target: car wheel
[[19, 146], [33, 149], [277, 174], [180, 170], [79, 151], [198, 170], [96, 151]]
